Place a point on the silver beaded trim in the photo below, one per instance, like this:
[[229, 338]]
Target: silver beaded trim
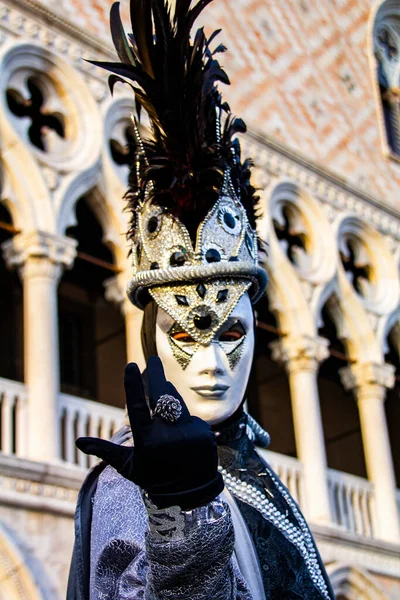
[[300, 536], [234, 355], [194, 273]]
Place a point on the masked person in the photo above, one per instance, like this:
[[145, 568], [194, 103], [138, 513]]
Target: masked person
[[153, 520]]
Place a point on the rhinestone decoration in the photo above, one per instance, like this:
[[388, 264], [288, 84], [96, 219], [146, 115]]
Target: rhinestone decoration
[[203, 322], [177, 259], [168, 408], [184, 315], [230, 220], [154, 222], [236, 354], [299, 536], [212, 255], [222, 296], [182, 300], [203, 318], [215, 230], [182, 358], [201, 290], [170, 237], [169, 265]]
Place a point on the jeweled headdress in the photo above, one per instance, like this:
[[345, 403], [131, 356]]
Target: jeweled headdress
[[194, 246]]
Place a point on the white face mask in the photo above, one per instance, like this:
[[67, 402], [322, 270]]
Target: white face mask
[[211, 379]]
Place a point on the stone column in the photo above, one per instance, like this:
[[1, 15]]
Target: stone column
[[40, 258], [115, 291], [301, 357], [369, 381]]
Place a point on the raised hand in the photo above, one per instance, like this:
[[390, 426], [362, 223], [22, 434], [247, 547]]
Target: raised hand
[[174, 461]]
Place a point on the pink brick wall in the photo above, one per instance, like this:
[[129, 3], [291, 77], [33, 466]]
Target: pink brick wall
[[301, 72]]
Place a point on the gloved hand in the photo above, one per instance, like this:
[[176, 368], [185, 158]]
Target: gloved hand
[[176, 463]]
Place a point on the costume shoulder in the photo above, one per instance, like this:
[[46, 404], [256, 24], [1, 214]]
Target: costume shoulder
[[79, 574]]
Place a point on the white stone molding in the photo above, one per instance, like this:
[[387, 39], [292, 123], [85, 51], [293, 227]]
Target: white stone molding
[[317, 264], [59, 251], [115, 291], [73, 187], [369, 383], [390, 327], [35, 21], [40, 485], [25, 184], [22, 577], [300, 353], [40, 258], [314, 268], [368, 374], [341, 548], [116, 118], [354, 583], [301, 356], [107, 208], [19, 207], [285, 292], [110, 213], [65, 93], [381, 293], [352, 322], [357, 326], [282, 163]]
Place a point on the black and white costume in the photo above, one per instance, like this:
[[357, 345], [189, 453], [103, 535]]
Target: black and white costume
[[153, 520]]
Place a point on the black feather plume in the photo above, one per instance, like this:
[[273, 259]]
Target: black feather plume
[[175, 81]]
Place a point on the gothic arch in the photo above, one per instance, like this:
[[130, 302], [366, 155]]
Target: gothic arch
[[351, 320], [73, 188], [21, 210], [21, 575], [354, 583], [111, 218], [391, 322], [381, 291], [317, 264]]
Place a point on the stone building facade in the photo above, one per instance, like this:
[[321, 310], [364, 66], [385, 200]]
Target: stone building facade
[[318, 84]]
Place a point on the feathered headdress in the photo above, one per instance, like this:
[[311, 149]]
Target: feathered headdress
[[193, 206]]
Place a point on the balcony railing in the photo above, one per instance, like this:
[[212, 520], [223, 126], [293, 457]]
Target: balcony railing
[[80, 417], [352, 503], [13, 416], [290, 472], [352, 498]]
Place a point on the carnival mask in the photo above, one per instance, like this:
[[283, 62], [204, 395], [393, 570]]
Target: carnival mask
[[211, 378]]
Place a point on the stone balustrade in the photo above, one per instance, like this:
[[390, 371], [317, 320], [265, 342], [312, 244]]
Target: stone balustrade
[[79, 417], [13, 413], [290, 471], [352, 498], [353, 503]]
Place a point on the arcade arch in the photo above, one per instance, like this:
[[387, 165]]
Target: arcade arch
[[92, 331]]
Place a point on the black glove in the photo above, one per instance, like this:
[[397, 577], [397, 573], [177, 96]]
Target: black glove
[[176, 463]]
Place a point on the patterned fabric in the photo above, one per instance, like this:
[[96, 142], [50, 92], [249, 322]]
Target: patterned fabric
[[128, 562], [283, 568], [132, 561]]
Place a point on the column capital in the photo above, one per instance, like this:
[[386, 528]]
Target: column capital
[[45, 254], [115, 292], [368, 379], [300, 353]]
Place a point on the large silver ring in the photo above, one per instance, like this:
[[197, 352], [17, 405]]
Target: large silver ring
[[168, 408]]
